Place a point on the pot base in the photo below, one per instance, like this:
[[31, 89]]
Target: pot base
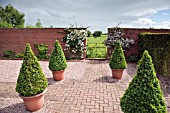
[[58, 75], [117, 73], [34, 103]]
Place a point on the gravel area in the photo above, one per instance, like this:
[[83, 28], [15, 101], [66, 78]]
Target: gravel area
[[10, 70]]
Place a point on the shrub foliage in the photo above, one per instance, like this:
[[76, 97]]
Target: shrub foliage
[[117, 60], [42, 51], [57, 60], [31, 80], [144, 94], [9, 54], [158, 46]]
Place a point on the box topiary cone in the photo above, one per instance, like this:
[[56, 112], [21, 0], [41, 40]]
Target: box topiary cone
[[57, 62], [144, 94], [31, 82], [117, 61]]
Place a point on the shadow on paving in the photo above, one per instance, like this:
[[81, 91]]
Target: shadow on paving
[[131, 69], [51, 81], [14, 108], [105, 79], [97, 62]]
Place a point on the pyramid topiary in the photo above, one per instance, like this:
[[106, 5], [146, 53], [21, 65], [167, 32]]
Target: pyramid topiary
[[31, 80], [117, 60], [144, 94], [57, 59]]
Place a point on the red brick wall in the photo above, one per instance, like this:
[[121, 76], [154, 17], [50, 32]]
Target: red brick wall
[[15, 39], [133, 33]]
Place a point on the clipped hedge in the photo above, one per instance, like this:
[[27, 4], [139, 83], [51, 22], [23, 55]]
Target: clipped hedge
[[117, 60], [57, 59], [158, 46], [144, 94], [31, 80]]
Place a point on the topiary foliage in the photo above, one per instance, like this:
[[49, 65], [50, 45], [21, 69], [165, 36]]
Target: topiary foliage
[[31, 80], [57, 60], [144, 94], [117, 60]]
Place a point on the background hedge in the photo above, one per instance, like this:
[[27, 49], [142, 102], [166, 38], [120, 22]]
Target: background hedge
[[158, 46]]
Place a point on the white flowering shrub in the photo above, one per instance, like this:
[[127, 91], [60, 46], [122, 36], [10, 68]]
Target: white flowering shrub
[[74, 40], [118, 35]]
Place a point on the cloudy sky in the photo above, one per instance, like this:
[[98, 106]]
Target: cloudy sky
[[98, 14]]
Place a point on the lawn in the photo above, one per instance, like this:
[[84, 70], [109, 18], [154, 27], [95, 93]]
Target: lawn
[[95, 47]]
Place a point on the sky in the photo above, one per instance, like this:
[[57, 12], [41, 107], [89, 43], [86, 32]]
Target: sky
[[95, 14]]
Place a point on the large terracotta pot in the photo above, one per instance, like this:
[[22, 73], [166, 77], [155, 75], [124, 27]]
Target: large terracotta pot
[[34, 103], [58, 75], [117, 73]]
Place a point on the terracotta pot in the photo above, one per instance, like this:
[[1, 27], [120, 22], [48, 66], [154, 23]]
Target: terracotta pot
[[58, 75], [34, 103], [117, 73]]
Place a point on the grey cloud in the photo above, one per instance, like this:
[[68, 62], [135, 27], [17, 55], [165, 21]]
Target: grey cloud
[[99, 14]]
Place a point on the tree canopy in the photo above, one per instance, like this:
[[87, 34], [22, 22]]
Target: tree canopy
[[11, 17]]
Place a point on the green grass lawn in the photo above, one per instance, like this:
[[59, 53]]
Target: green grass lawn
[[95, 47]]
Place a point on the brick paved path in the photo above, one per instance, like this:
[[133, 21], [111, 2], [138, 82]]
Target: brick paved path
[[94, 91]]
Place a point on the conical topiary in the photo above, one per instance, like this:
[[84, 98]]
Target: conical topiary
[[144, 94], [57, 60], [117, 60], [31, 80]]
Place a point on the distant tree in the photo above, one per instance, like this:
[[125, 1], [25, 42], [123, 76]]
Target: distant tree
[[38, 24], [97, 33], [88, 33], [29, 26], [11, 17], [51, 26]]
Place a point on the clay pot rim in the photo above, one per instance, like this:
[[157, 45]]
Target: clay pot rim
[[37, 95], [117, 69], [58, 70]]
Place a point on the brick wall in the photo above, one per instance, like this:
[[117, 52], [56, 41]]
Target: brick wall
[[133, 33], [15, 39]]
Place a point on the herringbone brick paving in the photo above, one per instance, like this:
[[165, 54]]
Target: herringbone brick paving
[[94, 91]]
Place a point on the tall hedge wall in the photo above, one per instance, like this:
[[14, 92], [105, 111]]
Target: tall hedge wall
[[158, 46]]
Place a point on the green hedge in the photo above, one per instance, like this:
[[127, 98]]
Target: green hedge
[[158, 46]]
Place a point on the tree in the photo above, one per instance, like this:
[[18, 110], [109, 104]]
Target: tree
[[144, 94], [38, 24], [97, 33], [29, 26], [88, 33], [11, 17]]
